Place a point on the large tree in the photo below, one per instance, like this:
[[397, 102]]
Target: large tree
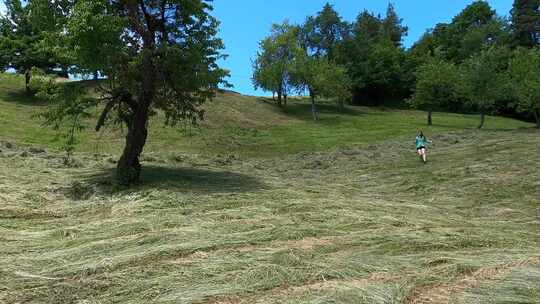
[[526, 22], [392, 26], [474, 28], [316, 64], [324, 32], [374, 58], [157, 55]]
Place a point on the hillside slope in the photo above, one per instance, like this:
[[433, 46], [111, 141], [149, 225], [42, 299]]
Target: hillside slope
[[241, 125], [351, 226], [306, 221]]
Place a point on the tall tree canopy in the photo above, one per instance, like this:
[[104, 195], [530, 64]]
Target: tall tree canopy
[[157, 55], [324, 32], [469, 32], [526, 22], [374, 57], [393, 27], [274, 62]]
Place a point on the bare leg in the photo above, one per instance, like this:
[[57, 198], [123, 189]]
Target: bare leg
[[424, 155]]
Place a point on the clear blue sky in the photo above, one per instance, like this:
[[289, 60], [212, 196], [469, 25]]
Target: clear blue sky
[[245, 22]]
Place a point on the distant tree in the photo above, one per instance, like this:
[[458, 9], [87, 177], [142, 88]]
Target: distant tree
[[20, 42], [374, 58], [272, 67], [485, 81], [324, 32], [316, 69], [51, 18], [321, 78], [437, 86], [474, 28], [158, 56], [525, 73], [526, 22], [392, 26]]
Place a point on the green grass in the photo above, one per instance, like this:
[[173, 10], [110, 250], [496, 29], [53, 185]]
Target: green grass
[[298, 223], [242, 125]]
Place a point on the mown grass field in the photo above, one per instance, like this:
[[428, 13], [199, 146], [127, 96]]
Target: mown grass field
[[261, 206]]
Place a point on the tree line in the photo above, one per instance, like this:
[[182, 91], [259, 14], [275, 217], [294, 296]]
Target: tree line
[[479, 62]]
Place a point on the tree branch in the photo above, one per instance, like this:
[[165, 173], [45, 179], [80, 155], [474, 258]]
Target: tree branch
[[103, 116]]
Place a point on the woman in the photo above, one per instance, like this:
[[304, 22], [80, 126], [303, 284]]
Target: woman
[[421, 146]]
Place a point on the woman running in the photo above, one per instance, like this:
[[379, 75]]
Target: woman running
[[421, 146]]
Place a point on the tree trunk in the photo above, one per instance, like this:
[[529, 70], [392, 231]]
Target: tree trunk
[[96, 75], [273, 96], [429, 120], [537, 117], [279, 98], [284, 100], [314, 111], [482, 119], [27, 78], [129, 167]]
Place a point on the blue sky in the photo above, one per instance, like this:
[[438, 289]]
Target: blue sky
[[245, 22]]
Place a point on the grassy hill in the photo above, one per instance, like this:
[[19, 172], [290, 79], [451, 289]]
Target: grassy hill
[[261, 206], [242, 125]]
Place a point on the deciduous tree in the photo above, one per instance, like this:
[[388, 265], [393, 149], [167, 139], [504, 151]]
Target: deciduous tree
[[437, 86], [525, 73], [485, 80], [20, 42], [158, 55], [272, 67]]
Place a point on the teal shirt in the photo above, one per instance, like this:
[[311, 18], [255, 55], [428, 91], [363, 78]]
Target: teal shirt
[[421, 142]]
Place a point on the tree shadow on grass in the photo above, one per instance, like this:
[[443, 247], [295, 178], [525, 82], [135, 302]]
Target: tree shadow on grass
[[21, 97], [184, 179], [301, 109]]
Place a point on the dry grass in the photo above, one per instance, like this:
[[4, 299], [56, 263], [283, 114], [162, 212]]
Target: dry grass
[[351, 226]]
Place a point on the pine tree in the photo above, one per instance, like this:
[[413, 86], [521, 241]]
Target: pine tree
[[526, 22], [392, 26]]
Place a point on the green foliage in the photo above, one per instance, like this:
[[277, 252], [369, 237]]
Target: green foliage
[[438, 86], [392, 26], [273, 67], [20, 41], [68, 106], [157, 56], [525, 73], [320, 77], [373, 57], [476, 27], [526, 22], [485, 83], [323, 33]]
